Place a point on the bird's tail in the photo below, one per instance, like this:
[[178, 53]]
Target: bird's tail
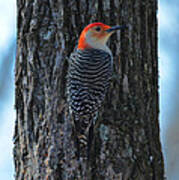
[[84, 136]]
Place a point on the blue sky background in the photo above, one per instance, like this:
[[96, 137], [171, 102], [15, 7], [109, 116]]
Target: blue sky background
[[168, 15], [169, 84], [7, 113]]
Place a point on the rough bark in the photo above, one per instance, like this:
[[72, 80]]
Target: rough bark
[[126, 139]]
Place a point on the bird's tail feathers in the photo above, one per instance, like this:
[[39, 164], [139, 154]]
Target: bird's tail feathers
[[84, 135]]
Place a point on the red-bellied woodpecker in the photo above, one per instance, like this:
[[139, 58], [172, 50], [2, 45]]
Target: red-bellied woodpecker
[[89, 74]]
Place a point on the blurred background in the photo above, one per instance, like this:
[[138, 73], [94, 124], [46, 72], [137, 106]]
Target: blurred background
[[7, 112], [168, 16]]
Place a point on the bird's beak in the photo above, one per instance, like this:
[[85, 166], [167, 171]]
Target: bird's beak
[[115, 28]]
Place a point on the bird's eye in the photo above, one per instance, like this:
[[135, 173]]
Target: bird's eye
[[98, 28]]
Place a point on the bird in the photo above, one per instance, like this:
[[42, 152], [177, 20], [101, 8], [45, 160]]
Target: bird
[[88, 80]]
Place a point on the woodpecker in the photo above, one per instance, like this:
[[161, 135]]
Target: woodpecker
[[89, 73]]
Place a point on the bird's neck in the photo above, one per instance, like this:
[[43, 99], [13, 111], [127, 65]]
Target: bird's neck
[[97, 45]]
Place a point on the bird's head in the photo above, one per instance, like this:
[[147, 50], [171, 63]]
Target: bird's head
[[96, 35]]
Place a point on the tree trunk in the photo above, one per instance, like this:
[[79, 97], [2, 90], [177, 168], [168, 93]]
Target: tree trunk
[[126, 142]]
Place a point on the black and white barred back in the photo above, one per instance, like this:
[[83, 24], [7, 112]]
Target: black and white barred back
[[89, 77]]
